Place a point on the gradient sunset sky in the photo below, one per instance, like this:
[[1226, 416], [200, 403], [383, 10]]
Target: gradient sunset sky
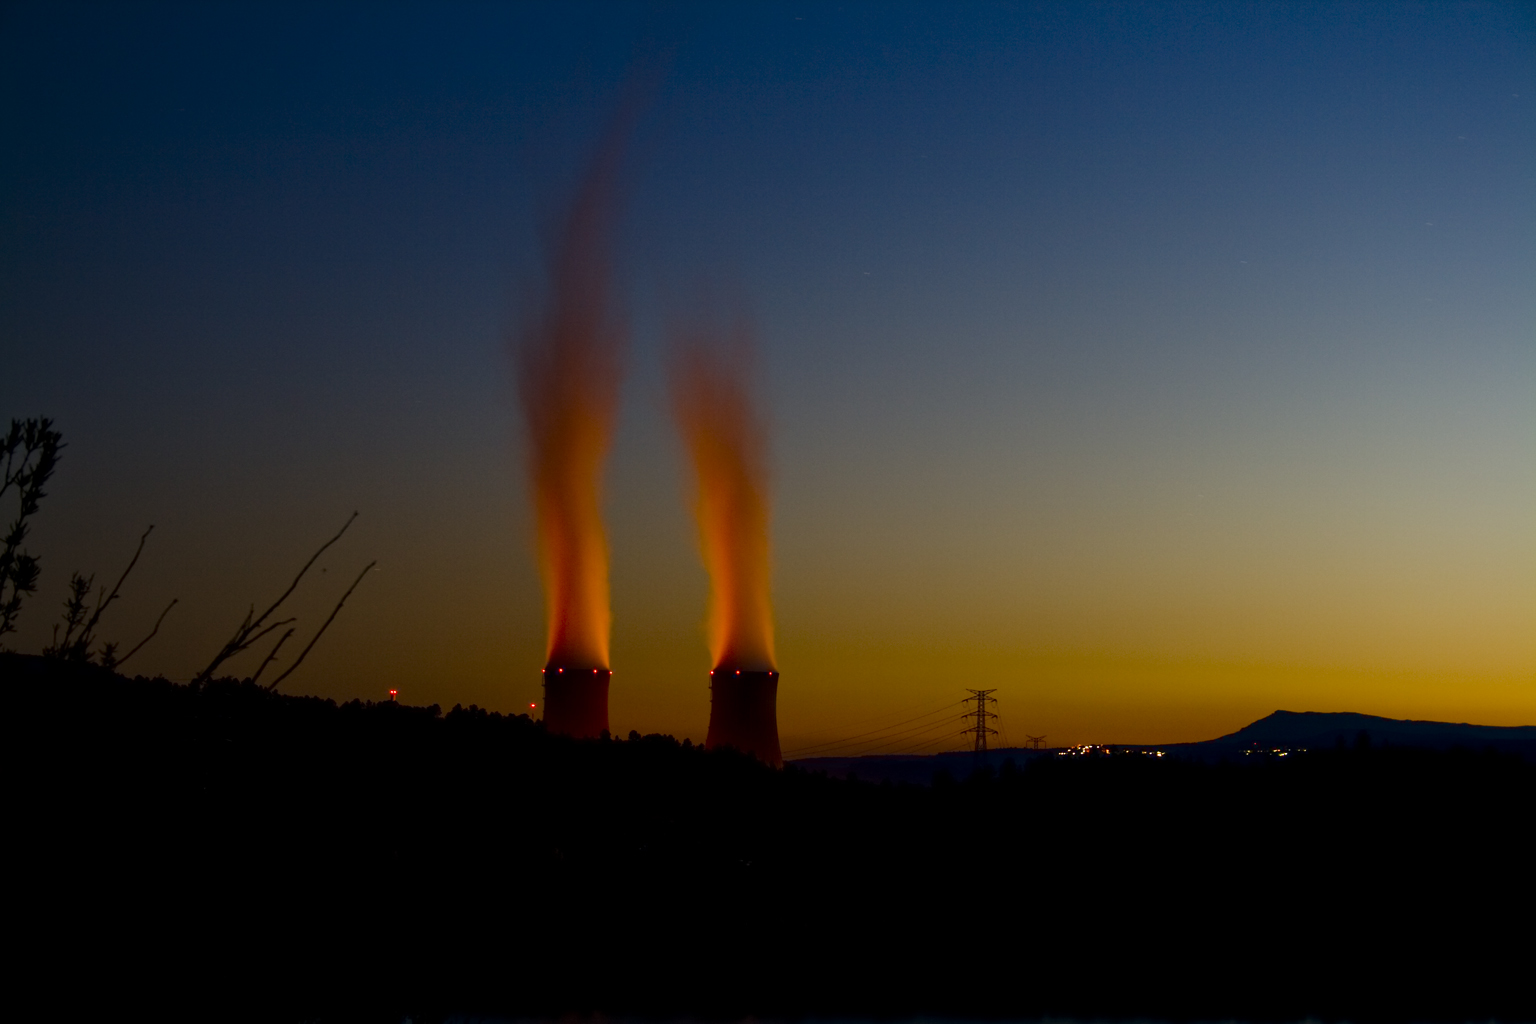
[[1160, 366]]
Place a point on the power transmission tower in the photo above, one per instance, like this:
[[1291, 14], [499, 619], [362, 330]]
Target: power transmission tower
[[980, 730], [1035, 742]]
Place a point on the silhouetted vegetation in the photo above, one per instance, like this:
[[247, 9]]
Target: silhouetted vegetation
[[255, 627], [219, 850], [31, 453], [80, 627]]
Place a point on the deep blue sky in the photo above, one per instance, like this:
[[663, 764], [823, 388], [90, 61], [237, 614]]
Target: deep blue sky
[[1167, 364]]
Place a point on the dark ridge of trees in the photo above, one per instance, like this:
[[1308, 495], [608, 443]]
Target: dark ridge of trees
[[221, 851]]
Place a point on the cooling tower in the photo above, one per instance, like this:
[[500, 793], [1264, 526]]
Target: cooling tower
[[743, 713], [576, 700]]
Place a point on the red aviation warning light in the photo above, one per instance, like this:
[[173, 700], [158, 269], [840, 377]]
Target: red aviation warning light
[[393, 694]]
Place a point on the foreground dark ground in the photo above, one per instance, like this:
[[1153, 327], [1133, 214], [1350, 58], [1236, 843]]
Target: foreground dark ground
[[225, 853]]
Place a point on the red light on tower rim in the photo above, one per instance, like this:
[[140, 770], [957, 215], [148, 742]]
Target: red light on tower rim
[[743, 712], [576, 702], [393, 694]]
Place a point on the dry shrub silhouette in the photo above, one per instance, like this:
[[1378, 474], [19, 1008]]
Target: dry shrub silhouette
[[31, 453], [80, 630]]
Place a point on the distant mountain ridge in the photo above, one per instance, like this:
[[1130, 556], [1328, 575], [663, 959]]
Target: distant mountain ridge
[[1325, 729]]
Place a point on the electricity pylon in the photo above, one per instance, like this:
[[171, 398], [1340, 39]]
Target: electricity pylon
[[980, 730]]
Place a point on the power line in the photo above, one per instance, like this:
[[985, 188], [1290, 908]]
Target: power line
[[906, 710], [948, 739], [946, 725], [922, 739], [873, 733]]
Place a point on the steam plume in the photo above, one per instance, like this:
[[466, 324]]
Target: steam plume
[[728, 446], [729, 451], [570, 371]]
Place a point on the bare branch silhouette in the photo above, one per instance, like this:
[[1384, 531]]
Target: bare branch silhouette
[[101, 606], [80, 623], [276, 625], [272, 654], [292, 586], [252, 629], [152, 633], [325, 626]]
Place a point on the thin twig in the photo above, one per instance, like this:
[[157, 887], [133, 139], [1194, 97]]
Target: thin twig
[[304, 570], [152, 632], [74, 611], [280, 622], [272, 654], [10, 456], [102, 605], [243, 638], [325, 626]]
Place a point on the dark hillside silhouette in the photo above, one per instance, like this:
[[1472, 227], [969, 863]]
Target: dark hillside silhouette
[[221, 850], [1317, 730]]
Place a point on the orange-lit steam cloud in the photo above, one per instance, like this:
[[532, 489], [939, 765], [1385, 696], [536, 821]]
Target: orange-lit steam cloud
[[728, 445], [570, 371]]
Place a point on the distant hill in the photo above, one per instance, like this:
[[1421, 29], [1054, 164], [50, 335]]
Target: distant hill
[[1282, 730], [1314, 730]]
